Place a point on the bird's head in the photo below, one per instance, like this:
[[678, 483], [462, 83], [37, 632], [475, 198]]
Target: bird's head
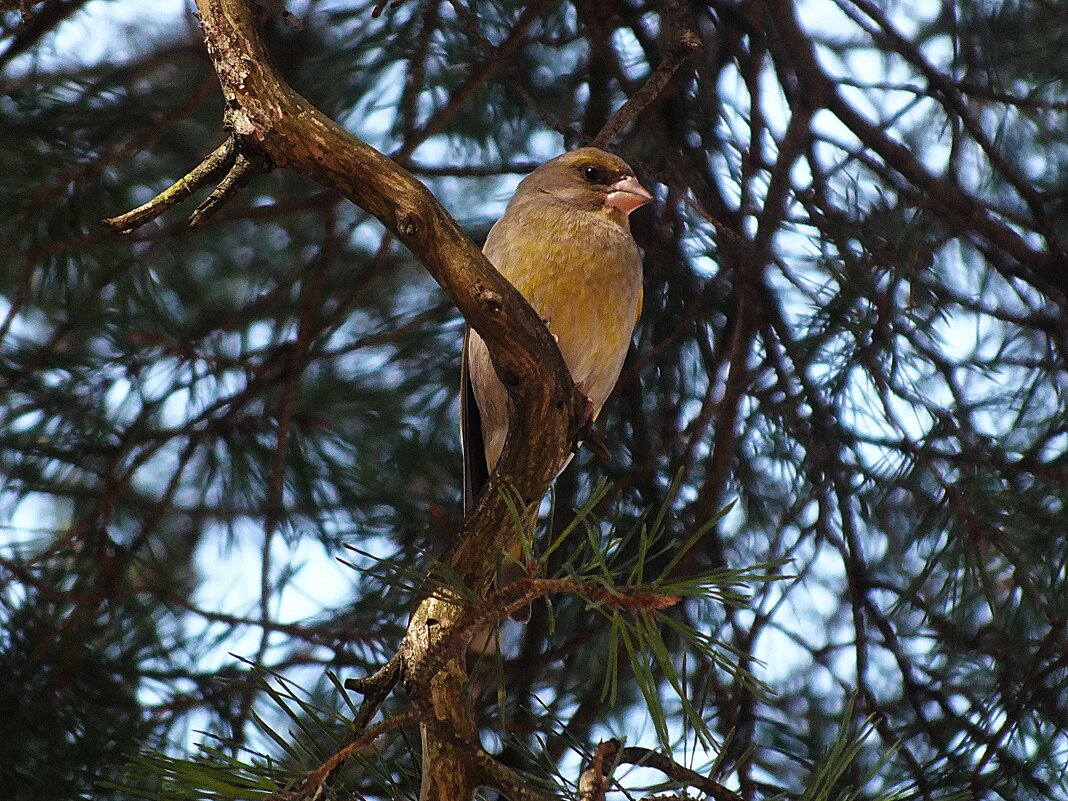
[[588, 179]]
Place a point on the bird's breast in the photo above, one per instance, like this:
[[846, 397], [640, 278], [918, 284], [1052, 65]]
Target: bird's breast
[[585, 282]]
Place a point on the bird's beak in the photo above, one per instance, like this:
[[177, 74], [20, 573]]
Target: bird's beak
[[627, 195]]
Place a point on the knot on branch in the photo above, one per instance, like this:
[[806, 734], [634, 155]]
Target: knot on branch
[[689, 41], [488, 298], [410, 223]]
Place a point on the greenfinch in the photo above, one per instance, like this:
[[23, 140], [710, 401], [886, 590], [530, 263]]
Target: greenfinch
[[565, 243]]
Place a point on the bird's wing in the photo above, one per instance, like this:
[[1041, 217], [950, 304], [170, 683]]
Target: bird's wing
[[476, 472]]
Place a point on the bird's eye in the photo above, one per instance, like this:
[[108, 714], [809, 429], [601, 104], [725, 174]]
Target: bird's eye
[[596, 176]]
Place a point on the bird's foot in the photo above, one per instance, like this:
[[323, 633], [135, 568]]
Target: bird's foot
[[587, 432], [586, 425], [556, 339]]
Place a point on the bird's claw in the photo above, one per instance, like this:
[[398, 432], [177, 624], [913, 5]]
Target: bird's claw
[[586, 424], [556, 339], [587, 432]]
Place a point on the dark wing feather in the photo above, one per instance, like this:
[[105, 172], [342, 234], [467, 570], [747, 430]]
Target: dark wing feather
[[476, 472]]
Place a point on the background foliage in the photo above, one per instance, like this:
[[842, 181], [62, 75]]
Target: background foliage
[[854, 327]]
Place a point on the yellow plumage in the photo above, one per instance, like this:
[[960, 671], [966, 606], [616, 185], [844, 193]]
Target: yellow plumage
[[565, 243]]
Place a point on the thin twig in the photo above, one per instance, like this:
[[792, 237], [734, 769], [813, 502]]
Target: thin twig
[[316, 782], [375, 689], [645, 757]]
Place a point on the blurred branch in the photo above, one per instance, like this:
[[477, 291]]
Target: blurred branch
[[683, 42], [36, 23], [124, 150], [821, 92], [496, 60]]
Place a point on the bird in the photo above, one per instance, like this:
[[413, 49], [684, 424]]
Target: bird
[[564, 242]]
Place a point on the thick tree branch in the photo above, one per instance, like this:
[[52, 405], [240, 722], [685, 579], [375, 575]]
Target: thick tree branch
[[273, 126]]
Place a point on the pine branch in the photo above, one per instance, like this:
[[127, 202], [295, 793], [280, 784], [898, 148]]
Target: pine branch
[[270, 124]]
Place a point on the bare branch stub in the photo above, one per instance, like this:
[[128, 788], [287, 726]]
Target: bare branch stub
[[248, 163], [594, 780], [217, 164]]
